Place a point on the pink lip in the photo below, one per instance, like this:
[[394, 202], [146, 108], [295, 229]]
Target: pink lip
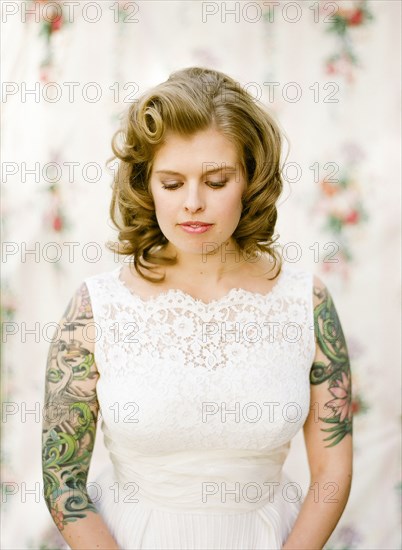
[[195, 223], [199, 229]]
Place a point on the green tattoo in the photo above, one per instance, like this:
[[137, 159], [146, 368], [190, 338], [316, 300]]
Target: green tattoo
[[336, 370], [69, 420]]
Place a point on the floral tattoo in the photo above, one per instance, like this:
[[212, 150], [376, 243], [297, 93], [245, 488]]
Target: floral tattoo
[[335, 370]]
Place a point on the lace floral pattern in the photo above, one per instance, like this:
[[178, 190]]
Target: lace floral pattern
[[232, 372], [187, 331]]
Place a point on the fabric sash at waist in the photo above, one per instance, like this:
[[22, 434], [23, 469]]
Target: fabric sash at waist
[[202, 480]]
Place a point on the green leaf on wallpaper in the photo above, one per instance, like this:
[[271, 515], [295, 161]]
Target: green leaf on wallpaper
[[46, 30]]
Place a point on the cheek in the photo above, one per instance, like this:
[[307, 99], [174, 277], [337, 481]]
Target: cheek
[[231, 205], [165, 208]]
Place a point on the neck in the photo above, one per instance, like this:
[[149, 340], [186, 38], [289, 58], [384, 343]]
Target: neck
[[207, 268]]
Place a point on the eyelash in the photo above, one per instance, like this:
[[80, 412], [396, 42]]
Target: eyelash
[[214, 185]]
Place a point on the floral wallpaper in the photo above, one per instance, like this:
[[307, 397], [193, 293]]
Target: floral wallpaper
[[344, 208]]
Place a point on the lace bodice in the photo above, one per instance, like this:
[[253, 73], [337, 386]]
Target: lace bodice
[[180, 374], [199, 400]]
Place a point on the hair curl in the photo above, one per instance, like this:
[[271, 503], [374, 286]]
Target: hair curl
[[190, 100]]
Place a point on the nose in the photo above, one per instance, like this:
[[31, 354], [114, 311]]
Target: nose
[[194, 201]]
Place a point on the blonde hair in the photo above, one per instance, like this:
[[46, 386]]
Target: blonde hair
[[191, 100]]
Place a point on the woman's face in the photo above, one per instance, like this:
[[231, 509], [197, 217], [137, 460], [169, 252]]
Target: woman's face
[[204, 182]]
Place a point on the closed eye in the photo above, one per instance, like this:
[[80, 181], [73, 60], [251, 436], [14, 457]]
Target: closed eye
[[215, 185]]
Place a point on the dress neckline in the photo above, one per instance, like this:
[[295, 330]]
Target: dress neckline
[[182, 295]]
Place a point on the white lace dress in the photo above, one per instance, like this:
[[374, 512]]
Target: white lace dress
[[199, 403]]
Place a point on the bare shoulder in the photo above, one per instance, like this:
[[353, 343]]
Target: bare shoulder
[[320, 290], [79, 315], [71, 372]]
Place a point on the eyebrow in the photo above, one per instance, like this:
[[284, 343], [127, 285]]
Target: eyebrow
[[211, 171]]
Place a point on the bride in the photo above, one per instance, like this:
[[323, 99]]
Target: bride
[[205, 352]]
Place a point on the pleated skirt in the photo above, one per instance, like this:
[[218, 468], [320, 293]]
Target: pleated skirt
[[146, 526]]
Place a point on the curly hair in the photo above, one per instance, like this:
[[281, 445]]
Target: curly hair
[[191, 100]]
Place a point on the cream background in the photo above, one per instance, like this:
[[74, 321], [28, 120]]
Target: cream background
[[168, 36]]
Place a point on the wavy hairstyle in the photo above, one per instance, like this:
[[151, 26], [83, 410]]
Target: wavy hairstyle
[[191, 100]]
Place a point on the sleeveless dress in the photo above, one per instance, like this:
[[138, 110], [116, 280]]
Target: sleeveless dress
[[199, 403]]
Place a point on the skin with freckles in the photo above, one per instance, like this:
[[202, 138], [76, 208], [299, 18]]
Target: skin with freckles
[[194, 194], [200, 178]]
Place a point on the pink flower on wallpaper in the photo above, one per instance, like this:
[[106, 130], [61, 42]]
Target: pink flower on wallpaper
[[342, 403]]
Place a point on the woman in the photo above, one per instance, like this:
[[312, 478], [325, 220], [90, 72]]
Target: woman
[[205, 354]]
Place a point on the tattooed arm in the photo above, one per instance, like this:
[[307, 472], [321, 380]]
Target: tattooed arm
[[69, 427], [327, 430]]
